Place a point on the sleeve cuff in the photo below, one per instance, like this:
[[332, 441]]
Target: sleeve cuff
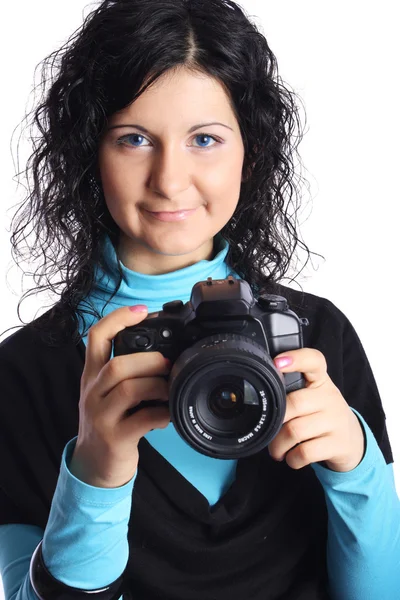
[[83, 491], [372, 457]]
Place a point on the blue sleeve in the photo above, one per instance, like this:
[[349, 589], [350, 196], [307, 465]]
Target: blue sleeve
[[85, 543], [363, 545], [17, 544]]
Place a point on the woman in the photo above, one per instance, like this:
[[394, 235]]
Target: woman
[[138, 209]]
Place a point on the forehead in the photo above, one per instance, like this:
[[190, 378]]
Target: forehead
[[180, 97]]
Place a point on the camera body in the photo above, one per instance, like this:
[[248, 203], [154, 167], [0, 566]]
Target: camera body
[[226, 397]]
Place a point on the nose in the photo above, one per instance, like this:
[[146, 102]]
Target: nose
[[170, 171]]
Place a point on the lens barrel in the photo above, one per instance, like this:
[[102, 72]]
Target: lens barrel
[[227, 399]]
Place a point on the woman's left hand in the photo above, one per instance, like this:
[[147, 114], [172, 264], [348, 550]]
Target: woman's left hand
[[319, 425]]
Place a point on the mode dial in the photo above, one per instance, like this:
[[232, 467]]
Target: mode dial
[[272, 302]]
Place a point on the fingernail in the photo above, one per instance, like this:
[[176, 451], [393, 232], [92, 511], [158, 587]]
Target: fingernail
[[283, 361], [138, 308], [168, 362]]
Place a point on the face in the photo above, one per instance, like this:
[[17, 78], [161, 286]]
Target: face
[[155, 158]]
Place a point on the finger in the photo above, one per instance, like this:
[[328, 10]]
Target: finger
[[146, 419], [130, 393], [309, 361], [298, 431], [312, 451], [305, 401], [102, 333], [130, 366]]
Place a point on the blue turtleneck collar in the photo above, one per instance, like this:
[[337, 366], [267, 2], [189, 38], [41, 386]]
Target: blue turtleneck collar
[[151, 290]]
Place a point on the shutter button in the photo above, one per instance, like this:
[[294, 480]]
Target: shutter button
[[172, 307]]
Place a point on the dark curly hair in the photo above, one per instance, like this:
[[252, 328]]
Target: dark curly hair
[[122, 47]]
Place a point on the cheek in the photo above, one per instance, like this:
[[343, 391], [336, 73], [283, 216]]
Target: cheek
[[117, 187], [120, 210], [117, 198], [113, 172], [114, 179], [223, 180]]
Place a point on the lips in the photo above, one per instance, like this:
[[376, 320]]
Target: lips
[[178, 215]]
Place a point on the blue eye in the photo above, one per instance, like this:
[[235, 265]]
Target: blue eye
[[120, 140], [205, 135]]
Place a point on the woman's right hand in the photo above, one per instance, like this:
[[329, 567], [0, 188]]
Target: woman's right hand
[[106, 451]]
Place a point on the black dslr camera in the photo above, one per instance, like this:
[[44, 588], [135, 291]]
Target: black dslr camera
[[226, 397]]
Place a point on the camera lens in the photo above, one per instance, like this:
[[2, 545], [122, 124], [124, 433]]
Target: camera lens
[[227, 399], [230, 399]]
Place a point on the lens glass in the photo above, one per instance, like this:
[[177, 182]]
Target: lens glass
[[230, 399], [227, 404]]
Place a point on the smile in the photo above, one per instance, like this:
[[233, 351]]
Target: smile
[[179, 215]]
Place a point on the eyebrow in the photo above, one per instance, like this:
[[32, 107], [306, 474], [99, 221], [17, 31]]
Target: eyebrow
[[141, 128]]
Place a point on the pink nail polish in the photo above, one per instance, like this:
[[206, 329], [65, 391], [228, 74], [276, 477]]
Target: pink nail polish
[[283, 361], [138, 308]]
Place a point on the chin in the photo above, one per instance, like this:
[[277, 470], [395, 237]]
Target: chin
[[177, 248], [176, 244]]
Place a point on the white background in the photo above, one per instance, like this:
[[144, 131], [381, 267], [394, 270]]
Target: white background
[[342, 58]]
